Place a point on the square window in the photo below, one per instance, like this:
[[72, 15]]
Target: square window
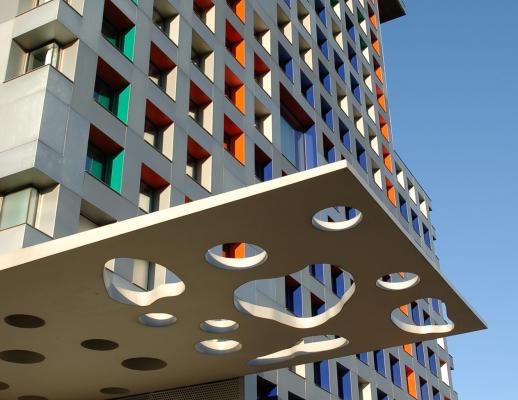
[[118, 29], [321, 374], [379, 362], [104, 159], [235, 43], [317, 272], [112, 91], [199, 164], [293, 291], [234, 140]]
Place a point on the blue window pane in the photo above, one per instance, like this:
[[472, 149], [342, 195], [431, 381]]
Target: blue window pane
[[361, 156], [344, 383], [382, 395], [321, 374], [426, 236], [432, 362], [415, 222], [307, 89], [350, 27], [353, 59], [317, 306], [288, 69], [363, 357], [286, 62], [350, 213], [331, 155], [436, 306], [426, 318], [327, 83], [339, 66], [345, 137], [320, 8], [424, 390], [322, 16], [326, 113], [338, 281], [310, 97], [341, 71], [436, 394], [317, 271], [419, 349], [355, 87], [322, 43], [395, 371], [293, 296], [403, 209], [328, 118], [266, 390], [379, 361], [325, 77]]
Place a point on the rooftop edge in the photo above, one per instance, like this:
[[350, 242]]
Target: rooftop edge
[[391, 9]]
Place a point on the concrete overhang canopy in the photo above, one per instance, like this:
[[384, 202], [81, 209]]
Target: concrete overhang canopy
[[391, 9], [203, 332]]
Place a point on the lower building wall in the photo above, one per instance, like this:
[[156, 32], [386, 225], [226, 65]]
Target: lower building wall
[[232, 389]]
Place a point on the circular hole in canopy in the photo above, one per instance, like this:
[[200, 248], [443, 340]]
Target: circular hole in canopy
[[336, 219], [99, 344], [157, 320], [114, 390], [236, 256], [21, 356], [219, 326], [398, 281], [31, 397], [218, 346], [144, 364], [24, 321]]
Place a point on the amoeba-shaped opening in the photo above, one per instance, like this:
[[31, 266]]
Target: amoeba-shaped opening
[[303, 309], [422, 317], [307, 346], [140, 282]]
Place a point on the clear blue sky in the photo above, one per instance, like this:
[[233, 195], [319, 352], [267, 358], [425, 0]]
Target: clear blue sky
[[452, 69]]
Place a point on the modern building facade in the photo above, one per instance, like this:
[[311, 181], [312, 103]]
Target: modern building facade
[[111, 109]]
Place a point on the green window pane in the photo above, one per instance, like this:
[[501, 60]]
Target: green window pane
[[19, 208], [96, 162], [114, 173], [128, 43], [111, 34], [122, 104], [103, 94]]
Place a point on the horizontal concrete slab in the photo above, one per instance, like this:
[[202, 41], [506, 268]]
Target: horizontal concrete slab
[[83, 341]]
